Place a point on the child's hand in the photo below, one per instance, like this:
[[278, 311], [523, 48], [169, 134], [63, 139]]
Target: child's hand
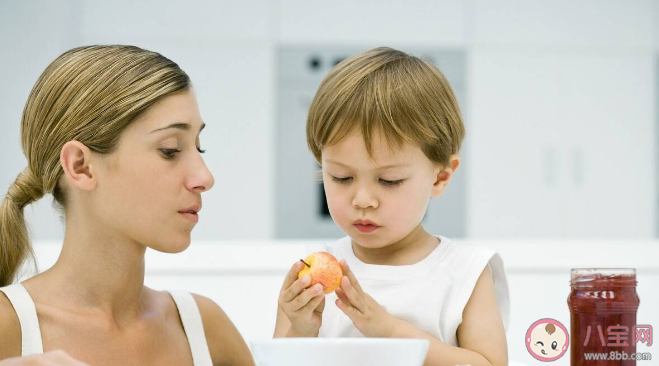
[[366, 314], [303, 306]]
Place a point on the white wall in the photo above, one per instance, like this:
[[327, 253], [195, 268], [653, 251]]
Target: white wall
[[562, 98], [32, 34]]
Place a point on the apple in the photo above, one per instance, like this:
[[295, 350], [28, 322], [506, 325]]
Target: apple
[[322, 268]]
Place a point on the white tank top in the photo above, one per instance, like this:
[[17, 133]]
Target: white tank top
[[31, 333], [430, 294]]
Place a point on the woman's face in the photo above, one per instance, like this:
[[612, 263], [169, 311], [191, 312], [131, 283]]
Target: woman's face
[[149, 189]]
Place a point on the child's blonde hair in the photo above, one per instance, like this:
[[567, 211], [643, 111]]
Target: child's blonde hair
[[399, 96], [88, 94]]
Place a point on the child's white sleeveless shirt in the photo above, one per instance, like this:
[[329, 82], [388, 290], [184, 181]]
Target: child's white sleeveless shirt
[[430, 294]]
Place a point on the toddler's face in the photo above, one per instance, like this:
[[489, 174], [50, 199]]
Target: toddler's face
[[377, 201]]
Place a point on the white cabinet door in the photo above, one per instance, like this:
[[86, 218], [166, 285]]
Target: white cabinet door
[[562, 145], [517, 181], [611, 147]]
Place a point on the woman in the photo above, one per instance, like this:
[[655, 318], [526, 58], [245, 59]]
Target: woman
[[113, 133]]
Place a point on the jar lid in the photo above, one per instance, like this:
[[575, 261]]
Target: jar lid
[[612, 276]]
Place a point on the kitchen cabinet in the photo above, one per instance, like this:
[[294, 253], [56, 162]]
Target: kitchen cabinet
[[561, 144]]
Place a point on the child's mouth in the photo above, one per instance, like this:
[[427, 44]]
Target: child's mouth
[[366, 228]]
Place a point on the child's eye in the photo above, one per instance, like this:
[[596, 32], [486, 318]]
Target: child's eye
[[554, 345], [169, 153], [341, 180], [201, 151], [391, 183]]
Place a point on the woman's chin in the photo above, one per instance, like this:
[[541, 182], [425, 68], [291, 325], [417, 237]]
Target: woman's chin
[[172, 247]]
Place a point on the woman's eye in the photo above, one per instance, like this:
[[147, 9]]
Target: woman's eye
[[554, 345], [341, 180], [391, 183], [169, 153]]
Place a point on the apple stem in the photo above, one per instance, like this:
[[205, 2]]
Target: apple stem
[[305, 263]]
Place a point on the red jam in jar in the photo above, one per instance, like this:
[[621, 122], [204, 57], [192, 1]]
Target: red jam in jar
[[602, 302]]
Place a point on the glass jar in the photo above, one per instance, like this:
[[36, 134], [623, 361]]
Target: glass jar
[[603, 301]]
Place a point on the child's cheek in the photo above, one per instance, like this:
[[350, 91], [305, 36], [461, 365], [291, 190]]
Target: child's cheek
[[339, 208], [405, 210]]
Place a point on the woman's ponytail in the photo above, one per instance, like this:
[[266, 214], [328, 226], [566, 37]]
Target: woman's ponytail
[[15, 244]]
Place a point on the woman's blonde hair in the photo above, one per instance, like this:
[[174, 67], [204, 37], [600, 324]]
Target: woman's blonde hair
[[88, 94], [403, 98]]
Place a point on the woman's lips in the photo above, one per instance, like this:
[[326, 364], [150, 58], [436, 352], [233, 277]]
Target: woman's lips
[[192, 216], [366, 228]]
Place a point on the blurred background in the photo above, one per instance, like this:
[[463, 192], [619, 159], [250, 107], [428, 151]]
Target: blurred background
[[560, 102], [560, 99]]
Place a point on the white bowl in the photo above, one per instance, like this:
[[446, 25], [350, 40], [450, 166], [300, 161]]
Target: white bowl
[[340, 351]]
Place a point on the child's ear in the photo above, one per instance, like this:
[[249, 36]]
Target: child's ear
[[76, 161], [443, 176]]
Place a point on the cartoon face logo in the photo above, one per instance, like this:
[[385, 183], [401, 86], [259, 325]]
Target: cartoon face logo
[[547, 340]]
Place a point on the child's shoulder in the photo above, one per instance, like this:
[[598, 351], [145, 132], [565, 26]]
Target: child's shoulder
[[468, 260], [463, 251]]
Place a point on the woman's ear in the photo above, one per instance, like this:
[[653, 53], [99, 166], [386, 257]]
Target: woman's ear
[[76, 161], [443, 176]]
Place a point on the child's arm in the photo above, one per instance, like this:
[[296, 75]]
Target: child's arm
[[300, 309], [481, 335]]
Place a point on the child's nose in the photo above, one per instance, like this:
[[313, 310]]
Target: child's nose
[[364, 198]]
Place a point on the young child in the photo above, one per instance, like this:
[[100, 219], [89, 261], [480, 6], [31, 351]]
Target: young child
[[386, 129]]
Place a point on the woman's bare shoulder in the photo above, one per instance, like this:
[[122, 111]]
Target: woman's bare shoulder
[[225, 343], [10, 329]]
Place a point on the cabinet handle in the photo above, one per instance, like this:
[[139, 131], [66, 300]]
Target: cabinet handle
[[550, 163], [578, 166]]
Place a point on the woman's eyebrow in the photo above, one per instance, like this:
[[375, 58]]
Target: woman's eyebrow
[[178, 126]]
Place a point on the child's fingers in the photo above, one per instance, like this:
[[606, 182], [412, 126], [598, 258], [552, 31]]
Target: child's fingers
[[305, 297], [291, 276], [351, 276], [312, 304], [321, 306], [354, 297], [347, 309], [341, 295], [295, 289]]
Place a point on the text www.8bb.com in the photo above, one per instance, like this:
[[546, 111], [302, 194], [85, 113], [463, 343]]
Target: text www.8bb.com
[[615, 355]]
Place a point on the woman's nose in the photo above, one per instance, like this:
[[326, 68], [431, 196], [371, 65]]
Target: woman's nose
[[200, 178]]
